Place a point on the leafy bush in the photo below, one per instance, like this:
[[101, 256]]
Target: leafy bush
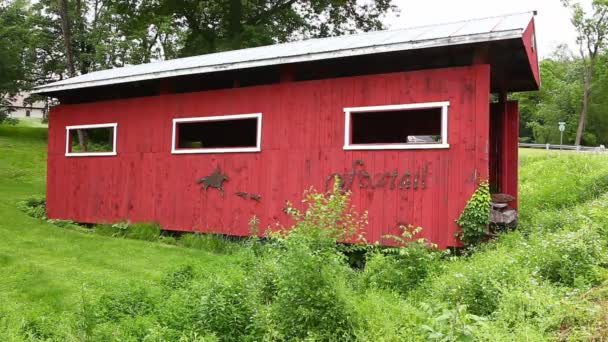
[[537, 304], [475, 217], [568, 258], [168, 240], [63, 223], [388, 317], [179, 278], [114, 230], [128, 302], [147, 231], [178, 307], [312, 298], [34, 207], [8, 120], [480, 281], [209, 242], [226, 309], [451, 324], [401, 268]]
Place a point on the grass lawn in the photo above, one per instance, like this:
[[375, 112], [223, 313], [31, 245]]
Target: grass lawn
[[31, 122], [44, 267]]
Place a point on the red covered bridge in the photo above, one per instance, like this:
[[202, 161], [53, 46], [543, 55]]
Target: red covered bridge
[[406, 117]]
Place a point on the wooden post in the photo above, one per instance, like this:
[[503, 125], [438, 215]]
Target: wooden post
[[507, 140]]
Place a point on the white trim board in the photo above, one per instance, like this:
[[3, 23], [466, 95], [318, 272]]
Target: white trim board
[[348, 111], [257, 148], [113, 125]]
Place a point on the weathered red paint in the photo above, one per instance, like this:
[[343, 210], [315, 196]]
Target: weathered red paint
[[504, 139], [302, 142], [529, 38], [509, 152]]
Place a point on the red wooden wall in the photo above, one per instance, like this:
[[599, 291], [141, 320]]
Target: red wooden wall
[[529, 38], [504, 145], [302, 139]]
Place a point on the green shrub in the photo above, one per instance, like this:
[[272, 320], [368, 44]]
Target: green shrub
[[147, 231], [226, 309], [168, 240], [402, 268], [127, 302], [118, 229], [34, 207], [388, 317], [479, 282], [179, 278], [567, 258], [177, 310], [209, 242], [38, 328], [9, 121], [136, 328], [538, 305], [313, 300], [475, 217], [451, 324], [63, 223]]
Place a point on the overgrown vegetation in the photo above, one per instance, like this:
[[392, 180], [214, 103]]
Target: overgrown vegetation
[[544, 281], [146, 231]]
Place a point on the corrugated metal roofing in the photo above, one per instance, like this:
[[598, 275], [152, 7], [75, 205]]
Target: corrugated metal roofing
[[462, 32]]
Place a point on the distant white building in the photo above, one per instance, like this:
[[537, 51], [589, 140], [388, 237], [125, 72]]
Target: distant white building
[[19, 109]]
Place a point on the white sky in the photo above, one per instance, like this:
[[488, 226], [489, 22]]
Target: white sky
[[553, 25]]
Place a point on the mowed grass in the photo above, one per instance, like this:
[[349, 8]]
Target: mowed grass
[[31, 122], [48, 269]]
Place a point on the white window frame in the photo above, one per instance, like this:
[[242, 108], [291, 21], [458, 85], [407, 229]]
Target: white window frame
[[113, 125], [348, 145], [257, 148]]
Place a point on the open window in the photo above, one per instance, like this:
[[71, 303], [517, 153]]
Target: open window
[[404, 126], [91, 140], [217, 134]]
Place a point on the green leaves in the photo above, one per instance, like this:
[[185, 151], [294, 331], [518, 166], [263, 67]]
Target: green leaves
[[475, 217], [13, 52]]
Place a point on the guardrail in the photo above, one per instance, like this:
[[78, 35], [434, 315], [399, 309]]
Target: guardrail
[[578, 148]]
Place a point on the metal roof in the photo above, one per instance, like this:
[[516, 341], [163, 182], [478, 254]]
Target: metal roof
[[462, 32]]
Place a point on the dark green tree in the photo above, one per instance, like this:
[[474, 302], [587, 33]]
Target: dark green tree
[[210, 26], [14, 55], [592, 37]]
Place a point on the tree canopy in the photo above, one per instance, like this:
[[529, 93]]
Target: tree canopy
[[574, 86], [49, 40], [13, 52]]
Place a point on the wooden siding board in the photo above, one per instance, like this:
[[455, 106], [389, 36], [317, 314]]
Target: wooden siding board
[[529, 38], [510, 150]]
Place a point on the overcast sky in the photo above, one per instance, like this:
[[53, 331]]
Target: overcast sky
[[552, 22]]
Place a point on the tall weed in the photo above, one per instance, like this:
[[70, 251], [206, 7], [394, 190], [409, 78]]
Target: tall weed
[[209, 242]]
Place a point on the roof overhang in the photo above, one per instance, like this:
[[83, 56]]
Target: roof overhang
[[466, 33]]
